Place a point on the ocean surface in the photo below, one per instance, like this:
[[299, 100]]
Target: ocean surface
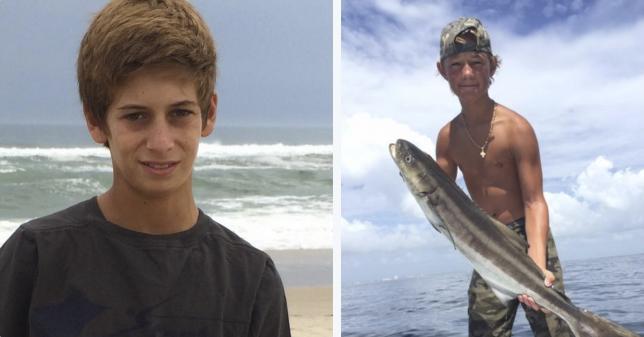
[[436, 305], [272, 186]]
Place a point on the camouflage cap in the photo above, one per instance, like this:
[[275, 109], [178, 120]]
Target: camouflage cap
[[451, 45]]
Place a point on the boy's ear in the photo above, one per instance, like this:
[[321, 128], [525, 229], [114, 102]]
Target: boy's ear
[[209, 125], [441, 69], [98, 135], [493, 65]]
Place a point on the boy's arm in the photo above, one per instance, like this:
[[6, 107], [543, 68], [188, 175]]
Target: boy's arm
[[18, 264], [443, 159], [270, 314], [528, 163], [526, 153]]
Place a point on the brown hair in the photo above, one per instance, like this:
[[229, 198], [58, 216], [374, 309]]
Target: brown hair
[[495, 64], [129, 34]]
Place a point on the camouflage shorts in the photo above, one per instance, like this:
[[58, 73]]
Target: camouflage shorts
[[488, 316]]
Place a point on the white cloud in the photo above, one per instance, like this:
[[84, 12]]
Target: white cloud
[[420, 14], [370, 181], [365, 143], [364, 236], [603, 201]]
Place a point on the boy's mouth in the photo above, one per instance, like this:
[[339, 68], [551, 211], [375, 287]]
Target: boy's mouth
[[468, 87], [160, 168]]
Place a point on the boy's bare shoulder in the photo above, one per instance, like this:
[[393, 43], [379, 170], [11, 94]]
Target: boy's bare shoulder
[[447, 129], [513, 122]]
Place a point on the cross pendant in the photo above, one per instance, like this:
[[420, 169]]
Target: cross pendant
[[482, 153]]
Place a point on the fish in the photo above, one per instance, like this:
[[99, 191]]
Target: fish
[[495, 251]]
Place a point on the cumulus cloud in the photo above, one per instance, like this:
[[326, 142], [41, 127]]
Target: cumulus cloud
[[603, 201], [365, 236], [366, 139], [371, 186]]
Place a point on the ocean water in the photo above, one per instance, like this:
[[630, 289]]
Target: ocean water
[[272, 186], [436, 305]]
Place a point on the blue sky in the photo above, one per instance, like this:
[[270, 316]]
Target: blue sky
[[572, 68], [275, 60]]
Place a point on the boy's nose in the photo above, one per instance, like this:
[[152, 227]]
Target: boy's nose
[[160, 137], [467, 70]]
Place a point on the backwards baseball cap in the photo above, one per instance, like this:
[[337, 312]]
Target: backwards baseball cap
[[454, 41]]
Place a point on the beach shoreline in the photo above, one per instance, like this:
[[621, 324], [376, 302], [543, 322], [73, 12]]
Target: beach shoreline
[[307, 275]]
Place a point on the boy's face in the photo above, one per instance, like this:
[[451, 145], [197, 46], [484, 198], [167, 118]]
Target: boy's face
[[153, 127], [468, 74]]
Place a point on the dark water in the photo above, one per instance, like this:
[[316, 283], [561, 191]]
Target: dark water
[[436, 305]]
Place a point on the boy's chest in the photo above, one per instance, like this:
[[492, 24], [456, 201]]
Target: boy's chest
[[139, 293], [493, 162], [86, 311]]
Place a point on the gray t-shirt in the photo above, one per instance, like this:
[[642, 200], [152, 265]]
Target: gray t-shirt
[[73, 273]]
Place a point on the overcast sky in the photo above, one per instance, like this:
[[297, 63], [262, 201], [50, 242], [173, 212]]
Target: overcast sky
[[275, 60], [574, 69]]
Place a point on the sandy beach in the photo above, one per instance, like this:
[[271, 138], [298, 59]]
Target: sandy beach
[[308, 278], [310, 311]]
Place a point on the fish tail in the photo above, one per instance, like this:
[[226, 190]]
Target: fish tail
[[589, 324]]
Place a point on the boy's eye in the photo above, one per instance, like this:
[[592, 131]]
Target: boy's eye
[[134, 116], [181, 113]]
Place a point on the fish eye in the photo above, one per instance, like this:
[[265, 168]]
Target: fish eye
[[409, 159]]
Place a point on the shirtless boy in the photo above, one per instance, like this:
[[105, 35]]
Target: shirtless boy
[[141, 259], [496, 150]]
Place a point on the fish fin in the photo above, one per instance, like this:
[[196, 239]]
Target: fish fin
[[449, 234], [451, 238], [435, 222], [511, 235], [503, 297], [431, 217], [433, 225]]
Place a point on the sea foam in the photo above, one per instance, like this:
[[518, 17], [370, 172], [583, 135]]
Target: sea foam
[[206, 150]]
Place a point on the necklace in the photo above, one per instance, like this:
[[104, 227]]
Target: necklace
[[489, 134]]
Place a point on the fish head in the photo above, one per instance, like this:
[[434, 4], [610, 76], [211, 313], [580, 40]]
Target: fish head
[[414, 166], [422, 176]]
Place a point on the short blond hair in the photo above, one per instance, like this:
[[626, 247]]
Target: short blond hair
[[129, 34]]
